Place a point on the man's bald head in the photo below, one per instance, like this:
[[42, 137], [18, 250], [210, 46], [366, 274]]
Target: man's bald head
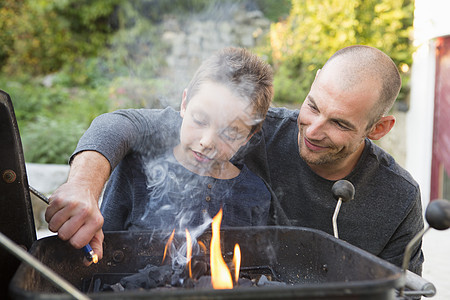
[[360, 64]]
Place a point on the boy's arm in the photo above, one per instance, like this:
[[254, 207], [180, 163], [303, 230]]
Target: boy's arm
[[73, 211]]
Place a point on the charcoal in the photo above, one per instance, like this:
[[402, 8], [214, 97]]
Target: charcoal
[[147, 278], [160, 275], [263, 281], [245, 282], [136, 281], [199, 268], [188, 283], [113, 287], [203, 282], [177, 277]]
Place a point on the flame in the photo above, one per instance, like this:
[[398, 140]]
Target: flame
[[200, 243], [236, 262], [95, 258], [168, 244], [189, 251], [220, 274]]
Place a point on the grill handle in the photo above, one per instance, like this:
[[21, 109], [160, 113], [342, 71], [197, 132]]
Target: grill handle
[[418, 286], [437, 215]]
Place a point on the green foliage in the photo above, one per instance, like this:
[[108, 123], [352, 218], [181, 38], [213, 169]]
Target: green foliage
[[274, 10], [44, 35], [314, 30], [107, 54], [50, 140], [52, 117]]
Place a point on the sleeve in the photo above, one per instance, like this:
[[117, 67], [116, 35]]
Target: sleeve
[[116, 134], [117, 198], [411, 225]]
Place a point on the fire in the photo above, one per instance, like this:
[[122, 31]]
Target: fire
[[220, 274], [95, 258], [168, 244], [200, 243], [189, 251], [236, 262]]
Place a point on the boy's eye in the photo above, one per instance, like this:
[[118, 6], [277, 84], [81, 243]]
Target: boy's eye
[[232, 135], [199, 121]]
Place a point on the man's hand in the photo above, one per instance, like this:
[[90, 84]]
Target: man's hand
[[73, 211]]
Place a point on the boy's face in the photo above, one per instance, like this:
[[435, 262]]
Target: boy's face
[[216, 123]]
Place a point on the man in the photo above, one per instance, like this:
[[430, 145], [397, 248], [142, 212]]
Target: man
[[299, 154]]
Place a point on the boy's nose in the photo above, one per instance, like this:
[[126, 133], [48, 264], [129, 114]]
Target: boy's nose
[[207, 139]]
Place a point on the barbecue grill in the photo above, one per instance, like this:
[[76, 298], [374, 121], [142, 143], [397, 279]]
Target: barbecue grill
[[311, 264]]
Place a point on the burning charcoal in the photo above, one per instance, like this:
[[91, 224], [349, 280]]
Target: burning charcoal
[[199, 268], [136, 281], [160, 275], [149, 277], [263, 281], [188, 283], [203, 282], [245, 282], [177, 277]]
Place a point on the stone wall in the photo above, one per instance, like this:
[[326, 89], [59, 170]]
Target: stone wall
[[194, 38]]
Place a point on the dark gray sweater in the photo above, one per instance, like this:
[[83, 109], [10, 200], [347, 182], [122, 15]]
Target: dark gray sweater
[[384, 216]]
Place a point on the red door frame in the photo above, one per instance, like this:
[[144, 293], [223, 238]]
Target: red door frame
[[441, 123]]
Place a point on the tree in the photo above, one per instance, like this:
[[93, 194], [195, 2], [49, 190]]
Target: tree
[[41, 36], [314, 30]]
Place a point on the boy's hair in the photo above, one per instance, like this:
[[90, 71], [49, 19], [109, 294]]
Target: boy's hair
[[243, 73]]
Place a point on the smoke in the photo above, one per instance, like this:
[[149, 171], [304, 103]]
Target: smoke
[[155, 52], [175, 204], [161, 60]]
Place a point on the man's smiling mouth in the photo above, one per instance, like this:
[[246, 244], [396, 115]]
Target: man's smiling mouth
[[313, 147]]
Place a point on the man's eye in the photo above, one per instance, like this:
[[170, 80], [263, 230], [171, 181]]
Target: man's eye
[[342, 126], [312, 107]]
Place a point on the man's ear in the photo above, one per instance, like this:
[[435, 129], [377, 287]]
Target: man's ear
[[315, 78], [381, 128], [183, 104], [317, 73]]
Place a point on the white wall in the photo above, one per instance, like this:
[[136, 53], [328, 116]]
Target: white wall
[[431, 20]]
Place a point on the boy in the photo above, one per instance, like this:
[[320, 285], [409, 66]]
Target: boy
[[188, 177]]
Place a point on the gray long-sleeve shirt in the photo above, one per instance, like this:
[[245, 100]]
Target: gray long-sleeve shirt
[[384, 216]]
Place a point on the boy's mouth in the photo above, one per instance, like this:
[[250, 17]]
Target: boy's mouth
[[200, 157]]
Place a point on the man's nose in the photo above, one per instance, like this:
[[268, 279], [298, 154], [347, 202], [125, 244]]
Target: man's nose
[[316, 129]]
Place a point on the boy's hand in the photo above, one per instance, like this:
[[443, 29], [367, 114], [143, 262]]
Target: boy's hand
[[74, 214], [73, 211]]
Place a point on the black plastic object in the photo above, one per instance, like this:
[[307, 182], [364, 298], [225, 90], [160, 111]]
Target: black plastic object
[[438, 214], [314, 265], [343, 189], [16, 214]]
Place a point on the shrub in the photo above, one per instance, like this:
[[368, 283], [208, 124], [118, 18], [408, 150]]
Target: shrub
[[314, 30]]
